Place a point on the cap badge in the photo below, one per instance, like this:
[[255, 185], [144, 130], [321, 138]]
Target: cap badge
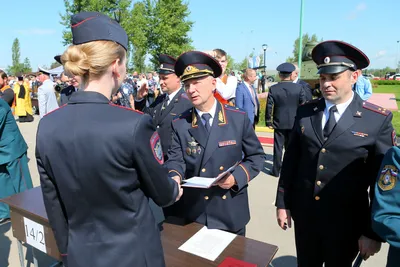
[[188, 68], [327, 60]]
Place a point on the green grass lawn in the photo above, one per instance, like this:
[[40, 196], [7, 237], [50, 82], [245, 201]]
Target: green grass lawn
[[395, 89]]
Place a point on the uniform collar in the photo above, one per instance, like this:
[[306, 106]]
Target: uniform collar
[[211, 111], [341, 108], [172, 95], [88, 97]]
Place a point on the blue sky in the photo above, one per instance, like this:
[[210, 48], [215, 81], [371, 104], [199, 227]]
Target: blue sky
[[235, 26]]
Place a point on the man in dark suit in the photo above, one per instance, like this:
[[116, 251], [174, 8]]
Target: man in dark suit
[[207, 140], [308, 91], [283, 100], [246, 96], [173, 102], [331, 162], [71, 82]]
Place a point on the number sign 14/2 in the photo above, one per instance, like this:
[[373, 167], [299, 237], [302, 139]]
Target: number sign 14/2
[[34, 234]]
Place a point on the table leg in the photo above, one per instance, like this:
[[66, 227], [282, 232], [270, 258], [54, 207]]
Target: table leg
[[35, 262], [21, 253]]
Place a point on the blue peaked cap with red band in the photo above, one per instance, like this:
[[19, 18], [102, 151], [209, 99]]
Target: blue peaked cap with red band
[[94, 26]]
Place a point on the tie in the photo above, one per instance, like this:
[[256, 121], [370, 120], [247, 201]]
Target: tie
[[165, 103], [206, 117], [253, 95], [330, 124]]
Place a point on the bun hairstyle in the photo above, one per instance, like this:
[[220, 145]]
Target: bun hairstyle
[[91, 60]]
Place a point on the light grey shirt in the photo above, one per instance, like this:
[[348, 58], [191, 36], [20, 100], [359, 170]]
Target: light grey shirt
[[46, 98]]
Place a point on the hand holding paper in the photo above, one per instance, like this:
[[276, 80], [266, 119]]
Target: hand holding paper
[[204, 182]]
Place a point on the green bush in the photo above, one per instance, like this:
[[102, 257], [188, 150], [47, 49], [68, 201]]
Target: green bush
[[385, 82], [261, 119]]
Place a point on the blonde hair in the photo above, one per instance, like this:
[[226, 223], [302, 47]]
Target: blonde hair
[[91, 60]]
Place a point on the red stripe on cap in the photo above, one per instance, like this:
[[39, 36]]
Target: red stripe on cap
[[79, 23]]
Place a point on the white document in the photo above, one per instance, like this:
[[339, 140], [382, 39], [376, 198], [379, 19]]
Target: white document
[[204, 182], [208, 243], [34, 234]]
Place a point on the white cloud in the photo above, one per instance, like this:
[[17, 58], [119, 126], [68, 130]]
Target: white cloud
[[380, 54], [358, 9], [35, 31], [361, 6]]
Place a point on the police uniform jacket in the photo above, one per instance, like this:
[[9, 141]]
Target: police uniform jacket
[[194, 153], [162, 118], [386, 205], [98, 165], [324, 183], [283, 100]]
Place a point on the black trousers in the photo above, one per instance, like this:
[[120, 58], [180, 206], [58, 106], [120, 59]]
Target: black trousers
[[335, 249], [281, 138]]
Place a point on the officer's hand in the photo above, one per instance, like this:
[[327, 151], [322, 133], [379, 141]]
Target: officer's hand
[[368, 247], [227, 182], [284, 218], [177, 179], [143, 91], [271, 127]]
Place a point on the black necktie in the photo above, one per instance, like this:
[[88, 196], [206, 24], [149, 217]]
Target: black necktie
[[165, 103], [330, 124], [206, 117]]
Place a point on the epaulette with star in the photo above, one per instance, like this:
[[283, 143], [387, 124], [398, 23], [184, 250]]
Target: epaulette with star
[[312, 101], [233, 108], [376, 108], [183, 115]]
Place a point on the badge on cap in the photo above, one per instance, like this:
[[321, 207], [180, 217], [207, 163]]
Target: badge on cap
[[155, 144], [388, 178], [327, 60], [188, 68]]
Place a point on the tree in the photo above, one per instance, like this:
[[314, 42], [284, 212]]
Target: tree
[[108, 7], [231, 64], [26, 67], [241, 65], [169, 28], [16, 67], [54, 65], [138, 29], [306, 39]]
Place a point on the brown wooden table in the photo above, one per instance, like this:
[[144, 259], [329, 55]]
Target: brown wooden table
[[29, 204]]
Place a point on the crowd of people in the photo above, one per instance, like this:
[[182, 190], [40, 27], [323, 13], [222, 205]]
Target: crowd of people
[[133, 140]]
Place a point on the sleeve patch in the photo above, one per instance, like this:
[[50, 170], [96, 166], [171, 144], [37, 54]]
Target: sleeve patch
[[388, 178], [155, 144]]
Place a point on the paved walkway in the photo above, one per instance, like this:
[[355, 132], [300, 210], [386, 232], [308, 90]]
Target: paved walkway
[[262, 226]]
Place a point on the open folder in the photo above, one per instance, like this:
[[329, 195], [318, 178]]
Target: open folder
[[204, 182]]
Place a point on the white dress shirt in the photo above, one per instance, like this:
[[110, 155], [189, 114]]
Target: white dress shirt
[[171, 96], [211, 112], [47, 98], [228, 90], [341, 108]]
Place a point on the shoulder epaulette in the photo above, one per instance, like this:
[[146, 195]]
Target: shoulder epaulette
[[234, 109], [55, 109], [184, 95], [122, 107], [313, 101], [183, 115], [376, 108]]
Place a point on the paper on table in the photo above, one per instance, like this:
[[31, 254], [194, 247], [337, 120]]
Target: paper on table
[[208, 243], [204, 182]]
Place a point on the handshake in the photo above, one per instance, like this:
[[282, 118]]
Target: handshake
[[177, 179]]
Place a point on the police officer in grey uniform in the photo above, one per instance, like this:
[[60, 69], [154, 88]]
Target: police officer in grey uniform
[[283, 100], [329, 168], [207, 140], [100, 163]]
